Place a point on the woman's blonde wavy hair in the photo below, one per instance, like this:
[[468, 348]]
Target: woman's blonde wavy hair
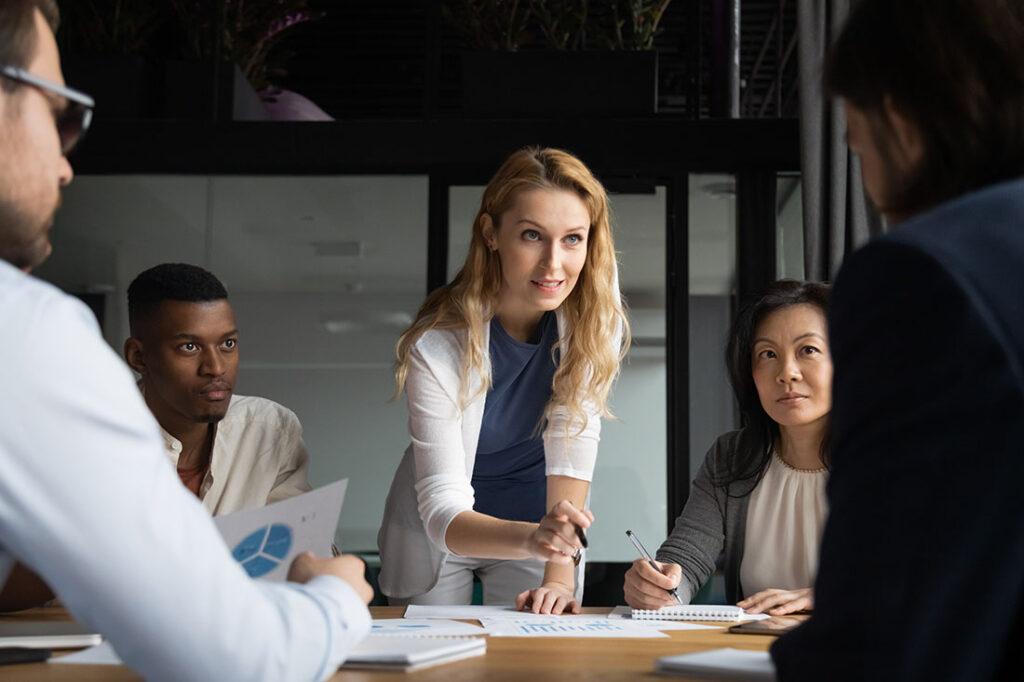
[[596, 331]]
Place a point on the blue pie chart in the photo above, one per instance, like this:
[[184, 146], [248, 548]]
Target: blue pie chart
[[263, 550]]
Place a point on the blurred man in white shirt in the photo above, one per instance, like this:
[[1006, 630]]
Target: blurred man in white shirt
[[87, 499]]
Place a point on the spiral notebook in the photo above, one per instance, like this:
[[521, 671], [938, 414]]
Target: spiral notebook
[[734, 665], [409, 652], [696, 612]]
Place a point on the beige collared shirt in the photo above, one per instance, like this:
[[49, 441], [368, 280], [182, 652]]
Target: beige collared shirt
[[258, 457]]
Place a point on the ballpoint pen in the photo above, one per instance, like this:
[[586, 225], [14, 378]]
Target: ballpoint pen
[[578, 554], [643, 552]]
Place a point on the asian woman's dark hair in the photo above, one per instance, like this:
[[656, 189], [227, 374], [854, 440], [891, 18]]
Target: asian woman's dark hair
[[954, 69], [760, 432]]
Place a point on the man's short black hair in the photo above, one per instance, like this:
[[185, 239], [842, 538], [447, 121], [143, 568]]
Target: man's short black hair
[[170, 282]]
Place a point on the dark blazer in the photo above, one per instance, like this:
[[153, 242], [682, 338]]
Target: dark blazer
[[922, 559]]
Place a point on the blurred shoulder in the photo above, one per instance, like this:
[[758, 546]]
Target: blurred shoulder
[[29, 304]]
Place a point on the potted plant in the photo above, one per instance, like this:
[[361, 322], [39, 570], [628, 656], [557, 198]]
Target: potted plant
[[573, 57], [111, 55], [190, 59], [244, 33]]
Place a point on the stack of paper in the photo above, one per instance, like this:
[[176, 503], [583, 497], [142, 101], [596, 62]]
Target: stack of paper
[[46, 635], [397, 652], [720, 664]]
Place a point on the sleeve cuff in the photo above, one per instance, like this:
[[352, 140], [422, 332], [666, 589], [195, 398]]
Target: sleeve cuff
[[354, 616], [583, 475]]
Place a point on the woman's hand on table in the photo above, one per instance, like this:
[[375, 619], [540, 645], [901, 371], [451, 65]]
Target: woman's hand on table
[[779, 602], [551, 597]]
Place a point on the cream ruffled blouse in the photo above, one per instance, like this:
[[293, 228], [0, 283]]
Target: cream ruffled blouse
[[785, 519]]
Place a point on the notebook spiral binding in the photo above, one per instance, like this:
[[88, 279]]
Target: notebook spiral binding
[[691, 612]]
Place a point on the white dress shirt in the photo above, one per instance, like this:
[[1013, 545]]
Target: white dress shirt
[[258, 457], [88, 501]]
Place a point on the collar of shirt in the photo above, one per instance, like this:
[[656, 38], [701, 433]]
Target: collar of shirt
[[173, 446]]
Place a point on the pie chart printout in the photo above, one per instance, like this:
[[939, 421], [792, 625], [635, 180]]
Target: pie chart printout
[[263, 550], [264, 540]]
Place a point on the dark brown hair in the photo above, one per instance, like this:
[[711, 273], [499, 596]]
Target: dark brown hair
[[760, 432], [955, 69], [17, 31]]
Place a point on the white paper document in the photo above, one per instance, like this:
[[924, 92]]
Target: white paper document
[[465, 612], [423, 627], [267, 539], [391, 652], [36, 634], [720, 664], [536, 625], [101, 654]]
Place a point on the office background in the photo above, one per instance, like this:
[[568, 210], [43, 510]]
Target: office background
[[329, 234]]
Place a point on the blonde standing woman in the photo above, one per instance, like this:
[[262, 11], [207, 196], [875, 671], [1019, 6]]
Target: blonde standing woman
[[507, 371]]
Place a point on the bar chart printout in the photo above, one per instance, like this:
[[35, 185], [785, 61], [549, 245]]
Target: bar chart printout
[[566, 626]]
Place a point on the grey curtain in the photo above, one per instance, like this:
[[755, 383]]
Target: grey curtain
[[838, 217]]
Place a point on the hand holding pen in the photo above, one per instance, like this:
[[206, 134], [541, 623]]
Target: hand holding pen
[[650, 584], [559, 536], [559, 539]]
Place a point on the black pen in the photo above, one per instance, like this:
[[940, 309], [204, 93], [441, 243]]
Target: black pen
[[581, 536], [578, 554], [643, 552]]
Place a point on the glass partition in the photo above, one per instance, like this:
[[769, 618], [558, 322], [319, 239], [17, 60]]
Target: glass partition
[[712, 249], [789, 232], [323, 274]]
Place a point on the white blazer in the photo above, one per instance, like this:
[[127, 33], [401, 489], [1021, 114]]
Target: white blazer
[[433, 482]]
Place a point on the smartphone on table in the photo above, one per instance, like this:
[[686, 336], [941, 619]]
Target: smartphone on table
[[776, 626]]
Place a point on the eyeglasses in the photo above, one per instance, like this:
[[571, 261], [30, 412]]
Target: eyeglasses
[[72, 120]]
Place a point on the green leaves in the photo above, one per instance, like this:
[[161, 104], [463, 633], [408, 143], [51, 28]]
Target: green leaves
[[109, 27], [507, 25], [248, 32], [499, 25]]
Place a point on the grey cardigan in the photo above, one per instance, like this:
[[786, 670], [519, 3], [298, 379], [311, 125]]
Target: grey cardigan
[[714, 518]]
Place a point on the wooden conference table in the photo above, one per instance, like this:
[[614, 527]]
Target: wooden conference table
[[534, 659]]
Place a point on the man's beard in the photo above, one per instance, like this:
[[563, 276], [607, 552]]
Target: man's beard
[[22, 246]]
